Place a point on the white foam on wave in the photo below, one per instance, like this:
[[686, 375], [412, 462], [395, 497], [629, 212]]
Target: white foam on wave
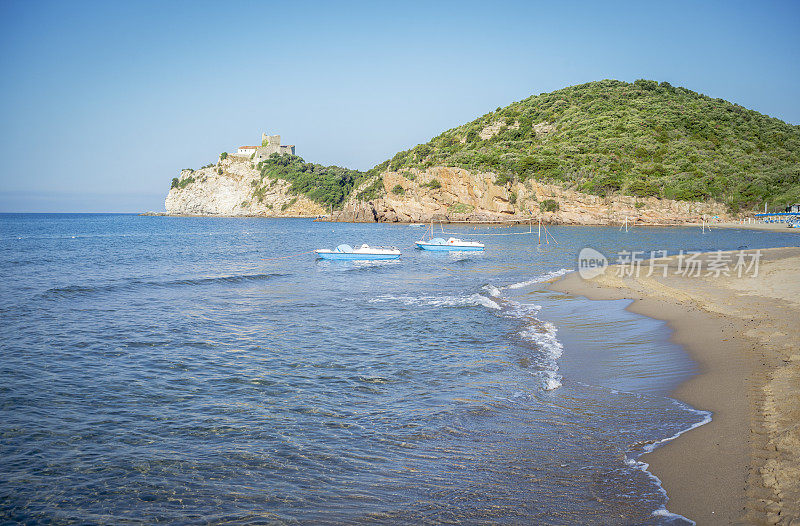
[[543, 335], [439, 301], [635, 463], [492, 290], [551, 382], [664, 512], [515, 309], [706, 419], [539, 279], [486, 302]]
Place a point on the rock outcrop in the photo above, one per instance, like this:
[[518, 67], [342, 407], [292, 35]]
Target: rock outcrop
[[455, 194], [233, 187]]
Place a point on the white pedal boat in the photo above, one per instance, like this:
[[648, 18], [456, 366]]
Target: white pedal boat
[[364, 252], [453, 243]]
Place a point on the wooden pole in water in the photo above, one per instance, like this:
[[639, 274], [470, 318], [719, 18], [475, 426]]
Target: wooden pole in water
[[540, 230]]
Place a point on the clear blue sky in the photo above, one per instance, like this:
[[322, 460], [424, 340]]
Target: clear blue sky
[[104, 102]]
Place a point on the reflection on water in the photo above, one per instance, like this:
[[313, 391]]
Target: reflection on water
[[168, 369]]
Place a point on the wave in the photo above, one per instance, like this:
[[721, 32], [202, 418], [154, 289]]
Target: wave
[[492, 290], [632, 458], [540, 334], [329, 265], [543, 335], [539, 279], [439, 301], [486, 302], [537, 333], [73, 290], [221, 279]]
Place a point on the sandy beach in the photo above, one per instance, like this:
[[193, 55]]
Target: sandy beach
[[768, 227], [743, 466]]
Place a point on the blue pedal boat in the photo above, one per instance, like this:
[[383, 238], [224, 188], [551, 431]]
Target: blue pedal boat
[[452, 244], [362, 253]]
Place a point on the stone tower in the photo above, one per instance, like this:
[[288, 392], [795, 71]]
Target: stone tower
[[271, 140], [271, 144]]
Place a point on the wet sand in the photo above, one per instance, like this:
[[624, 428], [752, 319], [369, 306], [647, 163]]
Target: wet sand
[[744, 333]]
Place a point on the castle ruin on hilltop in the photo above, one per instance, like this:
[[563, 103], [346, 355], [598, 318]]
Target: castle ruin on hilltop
[[269, 144]]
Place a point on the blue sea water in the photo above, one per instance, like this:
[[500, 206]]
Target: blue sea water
[[210, 370]]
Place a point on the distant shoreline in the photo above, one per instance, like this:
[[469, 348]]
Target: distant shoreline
[[743, 334], [768, 227]]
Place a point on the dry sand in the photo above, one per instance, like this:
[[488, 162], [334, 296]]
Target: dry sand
[[770, 227], [744, 332]]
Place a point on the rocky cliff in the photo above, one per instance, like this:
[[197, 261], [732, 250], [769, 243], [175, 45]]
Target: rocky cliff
[[454, 194], [234, 187]]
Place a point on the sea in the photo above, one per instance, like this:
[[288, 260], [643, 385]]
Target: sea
[[212, 370]]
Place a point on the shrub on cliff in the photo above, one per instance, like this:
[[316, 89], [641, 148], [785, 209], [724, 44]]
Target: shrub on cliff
[[372, 190], [288, 204], [181, 183], [549, 205], [502, 180], [327, 185], [460, 208]]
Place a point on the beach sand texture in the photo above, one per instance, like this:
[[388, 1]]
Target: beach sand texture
[[768, 227], [744, 333]]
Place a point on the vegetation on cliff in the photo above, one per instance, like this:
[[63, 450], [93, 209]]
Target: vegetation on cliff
[[641, 139], [327, 185], [182, 183]]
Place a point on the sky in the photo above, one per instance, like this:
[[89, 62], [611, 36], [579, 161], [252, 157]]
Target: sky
[[103, 103]]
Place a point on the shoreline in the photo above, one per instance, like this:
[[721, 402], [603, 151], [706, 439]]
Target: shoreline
[[743, 465], [768, 227]]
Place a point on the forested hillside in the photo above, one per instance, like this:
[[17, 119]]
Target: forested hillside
[[641, 139]]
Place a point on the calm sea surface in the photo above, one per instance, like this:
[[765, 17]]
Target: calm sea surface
[[159, 369]]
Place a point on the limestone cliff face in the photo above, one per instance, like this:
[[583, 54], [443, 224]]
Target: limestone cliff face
[[236, 191], [461, 195], [233, 187]]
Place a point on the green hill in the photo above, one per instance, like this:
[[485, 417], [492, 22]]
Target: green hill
[[642, 139]]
